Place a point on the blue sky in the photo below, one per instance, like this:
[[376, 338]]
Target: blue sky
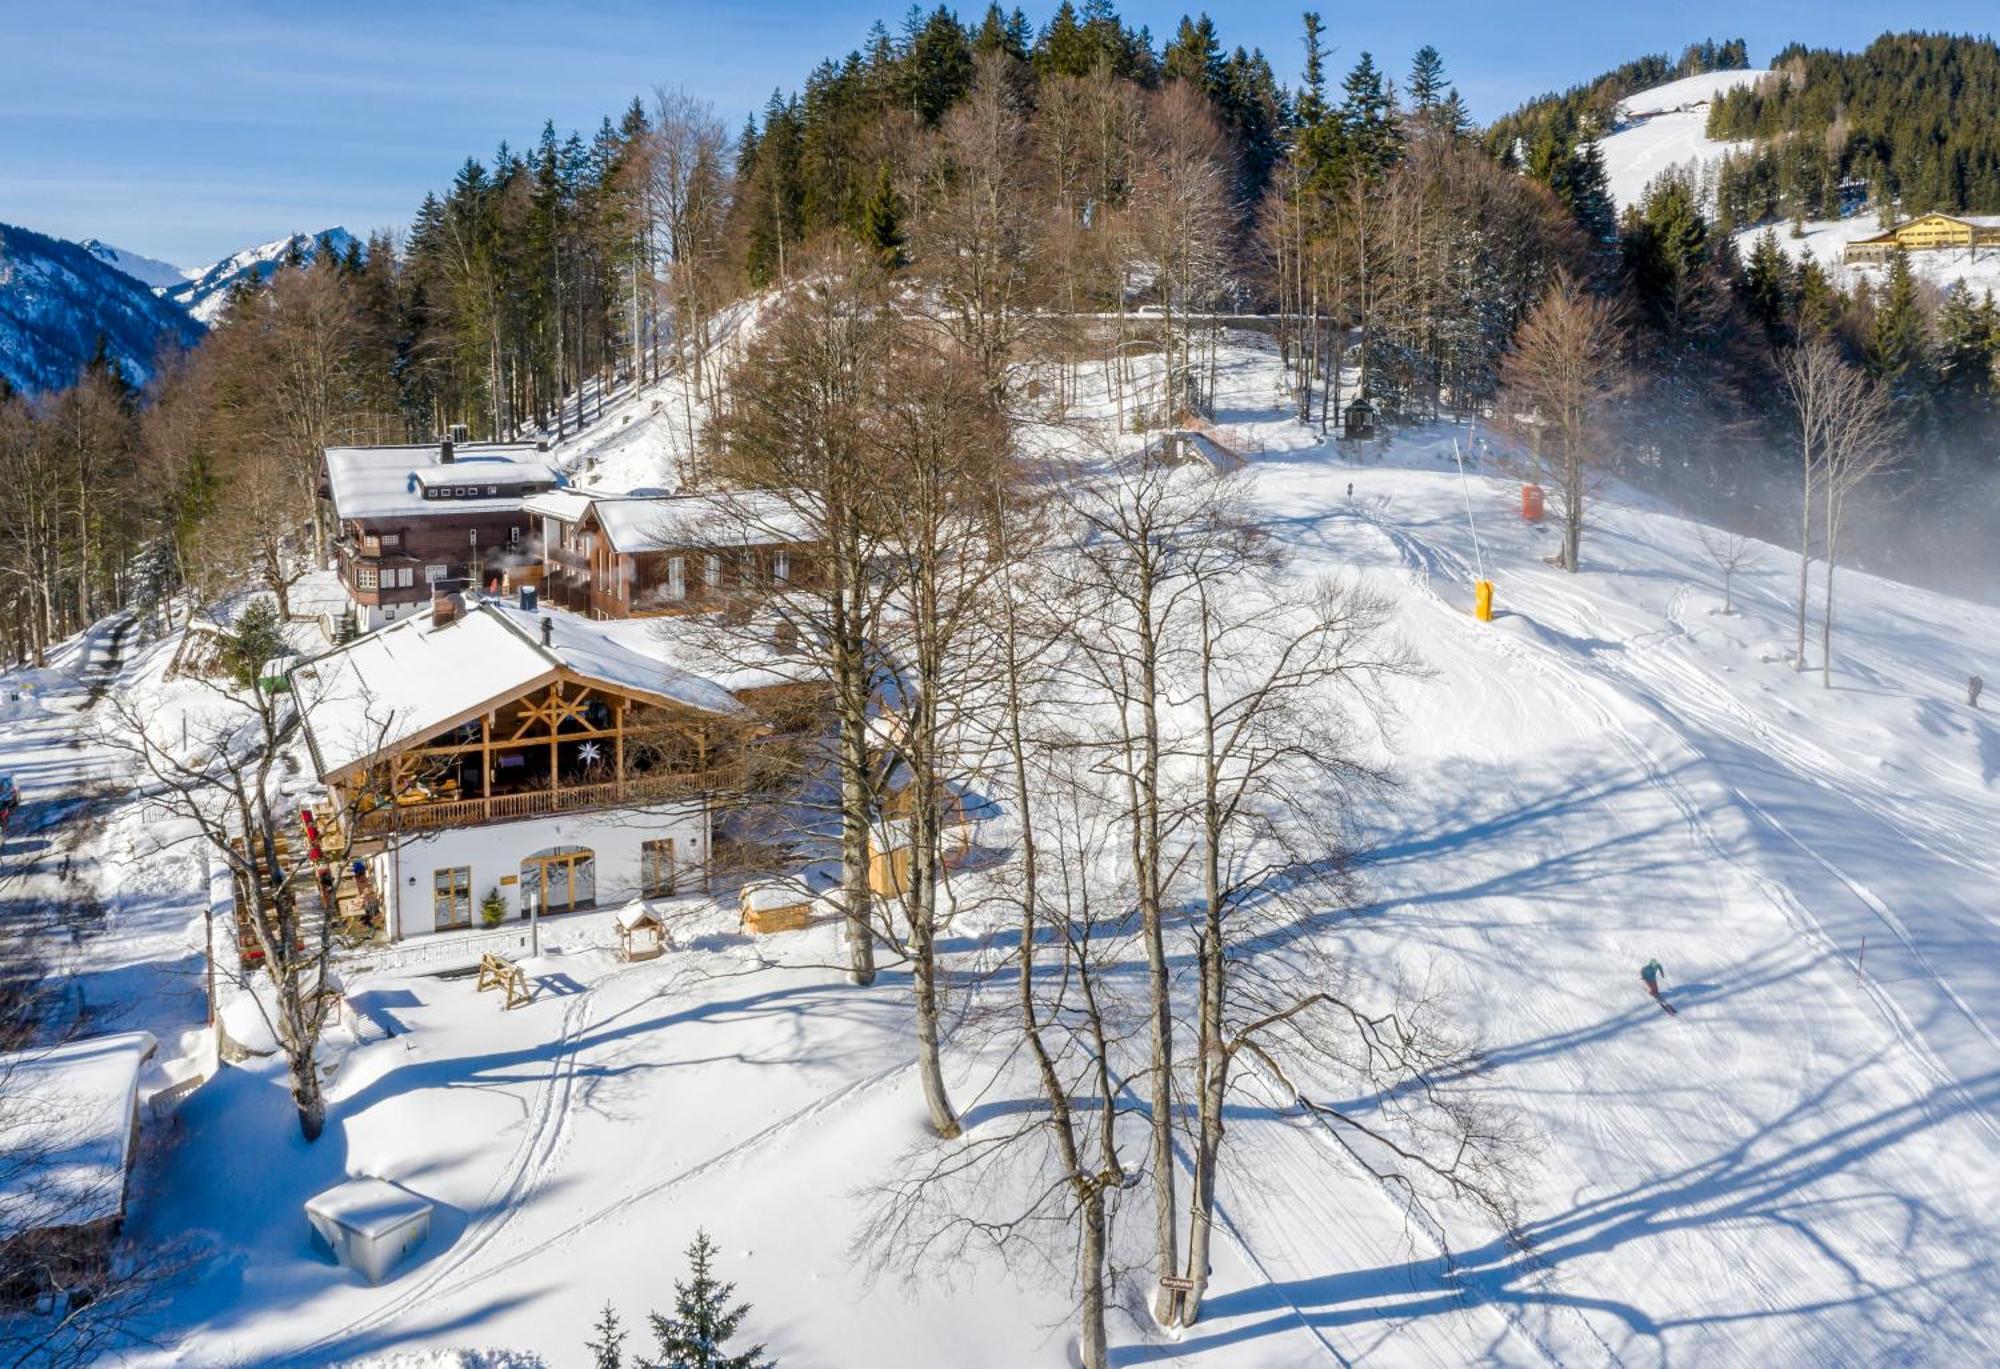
[[187, 130]]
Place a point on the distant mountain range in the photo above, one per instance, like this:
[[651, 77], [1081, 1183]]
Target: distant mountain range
[[58, 297], [203, 292]]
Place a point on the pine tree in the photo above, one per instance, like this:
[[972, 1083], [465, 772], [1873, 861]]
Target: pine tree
[[696, 1335], [882, 220], [1765, 281], [1898, 347], [607, 1349], [1427, 82]]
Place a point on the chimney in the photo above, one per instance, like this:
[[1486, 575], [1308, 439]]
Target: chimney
[[444, 452], [548, 630], [528, 597], [445, 607]]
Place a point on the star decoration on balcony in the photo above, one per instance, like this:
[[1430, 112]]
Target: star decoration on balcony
[[589, 753]]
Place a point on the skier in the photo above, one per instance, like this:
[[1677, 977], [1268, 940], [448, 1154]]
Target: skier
[[1350, 489], [1652, 971], [1974, 687]]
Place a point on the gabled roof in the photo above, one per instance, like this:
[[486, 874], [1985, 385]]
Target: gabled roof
[[636, 523], [389, 482], [68, 1110], [410, 680]]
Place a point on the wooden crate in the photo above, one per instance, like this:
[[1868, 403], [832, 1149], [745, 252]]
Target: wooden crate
[[789, 917]]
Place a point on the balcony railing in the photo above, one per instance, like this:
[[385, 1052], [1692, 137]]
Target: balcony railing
[[391, 818]]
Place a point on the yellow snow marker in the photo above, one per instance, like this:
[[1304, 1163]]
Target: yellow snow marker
[[1482, 600]]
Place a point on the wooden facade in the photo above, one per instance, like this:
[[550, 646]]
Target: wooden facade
[[568, 745], [585, 571], [1925, 233]]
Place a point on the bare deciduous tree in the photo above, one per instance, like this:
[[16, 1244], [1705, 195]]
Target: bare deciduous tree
[[1730, 552], [1566, 362], [1843, 424]]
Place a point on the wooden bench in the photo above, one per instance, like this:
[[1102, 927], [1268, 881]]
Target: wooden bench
[[497, 972]]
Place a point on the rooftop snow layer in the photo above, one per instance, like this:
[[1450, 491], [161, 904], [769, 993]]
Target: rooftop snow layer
[[414, 678], [67, 1117], [389, 482]]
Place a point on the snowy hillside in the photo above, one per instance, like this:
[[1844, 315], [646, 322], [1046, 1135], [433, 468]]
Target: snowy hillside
[[206, 289], [1826, 239], [1801, 1169], [57, 298], [1664, 128], [146, 270]]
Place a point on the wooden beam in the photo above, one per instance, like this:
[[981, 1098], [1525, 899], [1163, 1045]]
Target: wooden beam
[[486, 755]]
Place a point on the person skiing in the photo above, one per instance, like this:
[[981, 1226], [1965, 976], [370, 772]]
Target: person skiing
[[1974, 687], [1652, 972]]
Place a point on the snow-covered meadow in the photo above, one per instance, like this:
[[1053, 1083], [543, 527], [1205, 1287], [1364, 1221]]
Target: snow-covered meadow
[[1801, 1169]]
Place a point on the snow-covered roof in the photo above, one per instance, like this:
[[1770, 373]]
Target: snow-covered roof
[[368, 1207], [638, 524], [564, 505], [414, 678], [391, 482], [67, 1116]]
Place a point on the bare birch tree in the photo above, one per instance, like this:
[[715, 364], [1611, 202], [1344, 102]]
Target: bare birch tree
[[1843, 424]]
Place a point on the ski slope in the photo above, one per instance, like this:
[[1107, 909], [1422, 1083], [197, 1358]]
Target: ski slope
[[1664, 128], [1801, 1169]]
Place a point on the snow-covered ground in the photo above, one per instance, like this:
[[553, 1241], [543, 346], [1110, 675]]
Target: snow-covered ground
[[1664, 128], [1801, 1169]]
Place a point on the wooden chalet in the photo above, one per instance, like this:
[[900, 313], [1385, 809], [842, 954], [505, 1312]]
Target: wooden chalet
[[1926, 233], [484, 749], [412, 516], [641, 555]]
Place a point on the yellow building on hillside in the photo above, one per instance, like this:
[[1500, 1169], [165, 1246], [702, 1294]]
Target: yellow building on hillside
[[1925, 233]]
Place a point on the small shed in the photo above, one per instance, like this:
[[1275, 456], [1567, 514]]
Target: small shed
[[641, 934], [776, 905], [70, 1115], [1357, 420], [370, 1224]]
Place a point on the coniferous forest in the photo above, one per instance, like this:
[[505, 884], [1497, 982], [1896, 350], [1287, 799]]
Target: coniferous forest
[[1021, 173]]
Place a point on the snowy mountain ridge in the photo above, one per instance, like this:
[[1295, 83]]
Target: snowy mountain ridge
[[146, 270], [204, 290]]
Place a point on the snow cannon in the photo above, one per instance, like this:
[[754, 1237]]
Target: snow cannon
[[1482, 600], [1531, 503]]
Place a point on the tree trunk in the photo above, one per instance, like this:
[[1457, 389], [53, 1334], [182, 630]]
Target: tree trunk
[[307, 1095], [1805, 564], [1092, 1347]]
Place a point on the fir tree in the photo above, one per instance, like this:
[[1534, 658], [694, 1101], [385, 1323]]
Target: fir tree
[[1427, 83], [607, 1348], [882, 220], [1766, 279], [1898, 348], [696, 1335]]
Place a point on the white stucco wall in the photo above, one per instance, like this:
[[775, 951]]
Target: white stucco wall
[[495, 853]]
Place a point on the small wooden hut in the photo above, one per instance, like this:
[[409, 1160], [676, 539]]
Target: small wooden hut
[[641, 934]]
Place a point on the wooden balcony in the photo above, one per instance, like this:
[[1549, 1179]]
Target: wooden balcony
[[389, 819]]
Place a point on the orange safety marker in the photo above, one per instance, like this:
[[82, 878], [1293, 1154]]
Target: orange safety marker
[[1482, 600]]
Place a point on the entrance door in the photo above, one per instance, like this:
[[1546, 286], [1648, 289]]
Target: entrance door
[[559, 880]]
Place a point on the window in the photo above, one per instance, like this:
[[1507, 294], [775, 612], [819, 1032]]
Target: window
[[656, 868], [364, 577], [711, 571], [514, 536], [677, 577], [781, 566], [451, 896], [398, 577], [432, 574]]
